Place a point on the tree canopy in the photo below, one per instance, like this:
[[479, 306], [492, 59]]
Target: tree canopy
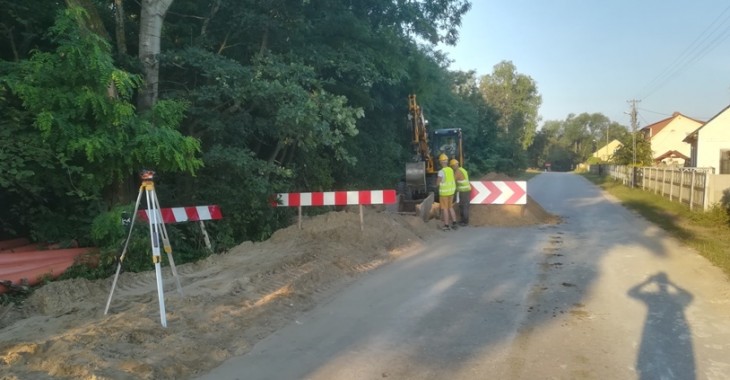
[[566, 143], [233, 101]]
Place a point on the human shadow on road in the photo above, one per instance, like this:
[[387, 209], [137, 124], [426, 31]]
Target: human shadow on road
[[666, 347]]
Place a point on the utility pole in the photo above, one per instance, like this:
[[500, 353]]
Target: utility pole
[[607, 127], [633, 115]]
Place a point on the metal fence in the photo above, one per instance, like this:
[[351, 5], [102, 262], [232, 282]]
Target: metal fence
[[689, 186]]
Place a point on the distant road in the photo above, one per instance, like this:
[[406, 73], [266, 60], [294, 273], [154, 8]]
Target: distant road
[[604, 295]]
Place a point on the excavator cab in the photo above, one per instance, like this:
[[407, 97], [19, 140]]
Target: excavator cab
[[449, 142]]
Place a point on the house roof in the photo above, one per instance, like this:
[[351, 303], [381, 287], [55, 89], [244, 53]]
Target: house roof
[[605, 152], [659, 125], [672, 154], [693, 135]]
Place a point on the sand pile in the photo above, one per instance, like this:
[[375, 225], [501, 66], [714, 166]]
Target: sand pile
[[509, 215]]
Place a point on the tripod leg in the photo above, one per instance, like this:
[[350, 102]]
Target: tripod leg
[[167, 246], [124, 251], [154, 220]]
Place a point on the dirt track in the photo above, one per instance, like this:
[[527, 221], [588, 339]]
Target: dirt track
[[230, 301]]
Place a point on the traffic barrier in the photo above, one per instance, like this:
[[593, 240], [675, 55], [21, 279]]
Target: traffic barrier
[[498, 192], [335, 198], [188, 214], [185, 214]]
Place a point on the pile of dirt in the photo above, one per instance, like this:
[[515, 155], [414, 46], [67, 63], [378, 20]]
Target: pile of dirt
[[230, 301], [530, 213], [510, 215]]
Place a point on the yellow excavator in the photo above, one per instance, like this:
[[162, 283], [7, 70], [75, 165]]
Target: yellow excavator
[[419, 185]]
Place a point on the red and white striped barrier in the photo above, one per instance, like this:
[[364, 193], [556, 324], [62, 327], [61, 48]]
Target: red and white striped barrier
[[188, 214], [185, 214], [335, 198]]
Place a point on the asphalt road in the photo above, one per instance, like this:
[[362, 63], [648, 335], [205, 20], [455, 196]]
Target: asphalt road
[[604, 295]]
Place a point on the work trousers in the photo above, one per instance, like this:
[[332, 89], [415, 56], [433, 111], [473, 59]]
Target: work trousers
[[464, 199]]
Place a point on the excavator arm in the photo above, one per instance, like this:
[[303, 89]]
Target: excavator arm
[[419, 137]]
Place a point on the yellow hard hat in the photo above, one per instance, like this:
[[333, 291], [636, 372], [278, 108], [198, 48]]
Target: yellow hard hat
[[443, 157], [454, 162]]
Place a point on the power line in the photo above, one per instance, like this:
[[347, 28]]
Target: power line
[[668, 115], [695, 51], [655, 112]]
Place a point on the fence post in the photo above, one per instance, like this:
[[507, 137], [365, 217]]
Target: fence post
[[643, 179], [681, 184], [206, 238], [671, 184], [692, 191], [705, 201], [299, 219]]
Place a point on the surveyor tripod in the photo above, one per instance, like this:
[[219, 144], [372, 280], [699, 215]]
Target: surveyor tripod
[[157, 233]]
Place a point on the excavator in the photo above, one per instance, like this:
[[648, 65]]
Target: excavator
[[419, 185]]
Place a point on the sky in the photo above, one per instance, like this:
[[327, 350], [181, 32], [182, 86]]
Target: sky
[[595, 56]]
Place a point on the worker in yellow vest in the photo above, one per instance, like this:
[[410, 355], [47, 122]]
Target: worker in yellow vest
[[447, 189], [463, 189]]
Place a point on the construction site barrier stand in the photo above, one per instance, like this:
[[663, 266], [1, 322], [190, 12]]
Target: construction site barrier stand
[[188, 214], [335, 198]]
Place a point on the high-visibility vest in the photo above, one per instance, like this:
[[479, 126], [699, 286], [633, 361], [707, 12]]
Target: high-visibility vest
[[447, 186], [463, 185]]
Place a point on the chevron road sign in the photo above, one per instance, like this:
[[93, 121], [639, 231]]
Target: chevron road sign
[[499, 192]]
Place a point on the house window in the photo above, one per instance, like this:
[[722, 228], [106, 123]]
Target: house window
[[725, 161]]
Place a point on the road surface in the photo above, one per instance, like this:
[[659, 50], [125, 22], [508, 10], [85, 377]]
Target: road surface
[[603, 295]]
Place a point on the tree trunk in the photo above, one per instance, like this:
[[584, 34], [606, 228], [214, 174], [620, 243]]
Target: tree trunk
[[213, 12], [150, 31], [119, 27], [264, 41], [9, 33], [275, 153], [92, 21]]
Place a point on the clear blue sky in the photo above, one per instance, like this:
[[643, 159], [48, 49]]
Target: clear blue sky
[[595, 55]]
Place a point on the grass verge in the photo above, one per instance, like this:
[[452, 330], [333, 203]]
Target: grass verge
[[708, 232]]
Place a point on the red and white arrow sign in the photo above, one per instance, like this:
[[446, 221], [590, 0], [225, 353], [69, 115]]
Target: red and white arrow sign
[[499, 192]]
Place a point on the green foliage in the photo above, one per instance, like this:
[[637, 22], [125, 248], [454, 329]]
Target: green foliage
[[110, 235], [87, 135], [570, 142], [625, 155], [516, 99], [272, 97]]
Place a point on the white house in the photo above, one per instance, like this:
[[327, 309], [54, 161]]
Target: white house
[[710, 143], [667, 139]]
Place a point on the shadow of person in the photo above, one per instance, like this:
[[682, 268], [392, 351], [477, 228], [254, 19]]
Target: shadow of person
[[666, 342]]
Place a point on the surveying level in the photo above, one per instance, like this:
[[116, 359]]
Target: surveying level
[[157, 233]]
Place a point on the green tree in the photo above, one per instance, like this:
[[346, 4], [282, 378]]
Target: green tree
[[95, 140], [626, 155], [516, 99], [281, 95]]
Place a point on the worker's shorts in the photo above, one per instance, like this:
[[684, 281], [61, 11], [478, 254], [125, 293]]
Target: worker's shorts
[[446, 203]]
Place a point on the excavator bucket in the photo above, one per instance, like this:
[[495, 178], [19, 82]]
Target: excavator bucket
[[424, 209]]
